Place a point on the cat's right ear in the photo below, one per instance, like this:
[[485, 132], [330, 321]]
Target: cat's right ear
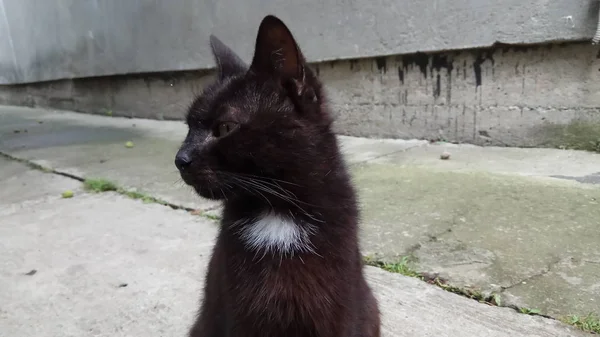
[[228, 63], [277, 54]]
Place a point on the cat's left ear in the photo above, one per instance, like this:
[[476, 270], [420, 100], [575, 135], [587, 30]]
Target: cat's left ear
[[277, 54], [228, 63]]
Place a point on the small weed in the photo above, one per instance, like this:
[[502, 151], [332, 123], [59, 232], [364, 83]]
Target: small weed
[[497, 300], [212, 217], [400, 267], [528, 311], [589, 323], [466, 292], [141, 196], [99, 185]]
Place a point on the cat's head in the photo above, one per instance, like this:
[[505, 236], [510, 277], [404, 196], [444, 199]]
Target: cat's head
[[263, 121]]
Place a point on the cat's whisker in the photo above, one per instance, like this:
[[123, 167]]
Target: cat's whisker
[[262, 178], [251, 191], [266, 178], [223, 193], [283, 197], [261, 184], [273, 184]]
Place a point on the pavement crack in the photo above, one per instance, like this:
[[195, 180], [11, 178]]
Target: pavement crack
[[435, 236], [591, 262], [119, 190], [533, 277], [39, 167], [365, 161]]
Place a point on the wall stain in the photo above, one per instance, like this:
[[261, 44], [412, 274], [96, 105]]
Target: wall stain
[[481, 58], [401, 74], [419, 59], [439, 61], [513, 47], [449, 88], [438, 87], [381, 64]]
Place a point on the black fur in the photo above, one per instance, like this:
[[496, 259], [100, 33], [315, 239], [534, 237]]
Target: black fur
[[259, 139]]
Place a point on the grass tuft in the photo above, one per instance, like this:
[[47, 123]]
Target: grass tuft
[[401, 267], [589, 323]]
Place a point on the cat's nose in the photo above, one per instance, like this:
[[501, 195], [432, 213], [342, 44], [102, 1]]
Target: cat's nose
[[182, 160]]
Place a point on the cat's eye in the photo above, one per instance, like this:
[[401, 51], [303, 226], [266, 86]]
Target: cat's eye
[[224, 128]]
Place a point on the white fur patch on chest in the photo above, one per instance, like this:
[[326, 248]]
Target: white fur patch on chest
[[271, 232]]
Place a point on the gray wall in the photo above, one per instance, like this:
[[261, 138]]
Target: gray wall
[[510, 96], [44, 40]]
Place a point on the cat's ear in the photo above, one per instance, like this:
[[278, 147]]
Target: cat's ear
[[277, 54], [228, 63]]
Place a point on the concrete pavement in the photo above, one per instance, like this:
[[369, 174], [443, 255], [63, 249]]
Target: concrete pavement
[[519, 223], [106, 265]]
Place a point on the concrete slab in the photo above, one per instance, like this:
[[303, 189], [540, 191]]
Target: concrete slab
[[488, 218], [94, 147], [486, 231], [101, 265], [505, 160], [413, 308], [357, 150], [570, 284], [105, 265], [21, 185]]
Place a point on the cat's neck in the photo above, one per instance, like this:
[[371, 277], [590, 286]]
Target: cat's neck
[[323, 210], [313, 198]]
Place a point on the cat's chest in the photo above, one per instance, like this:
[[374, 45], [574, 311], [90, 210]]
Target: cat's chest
[[275, 234], [294, 291]]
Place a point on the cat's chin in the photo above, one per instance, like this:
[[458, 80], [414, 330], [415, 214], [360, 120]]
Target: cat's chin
[[210, 193]]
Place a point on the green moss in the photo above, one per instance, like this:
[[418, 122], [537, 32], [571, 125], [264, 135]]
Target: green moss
[[99, 185], [577, 135]]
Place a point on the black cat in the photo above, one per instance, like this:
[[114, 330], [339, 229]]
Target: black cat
[[287, 261]]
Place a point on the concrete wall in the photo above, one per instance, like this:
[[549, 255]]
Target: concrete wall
[[514, 96], [44, 40]]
